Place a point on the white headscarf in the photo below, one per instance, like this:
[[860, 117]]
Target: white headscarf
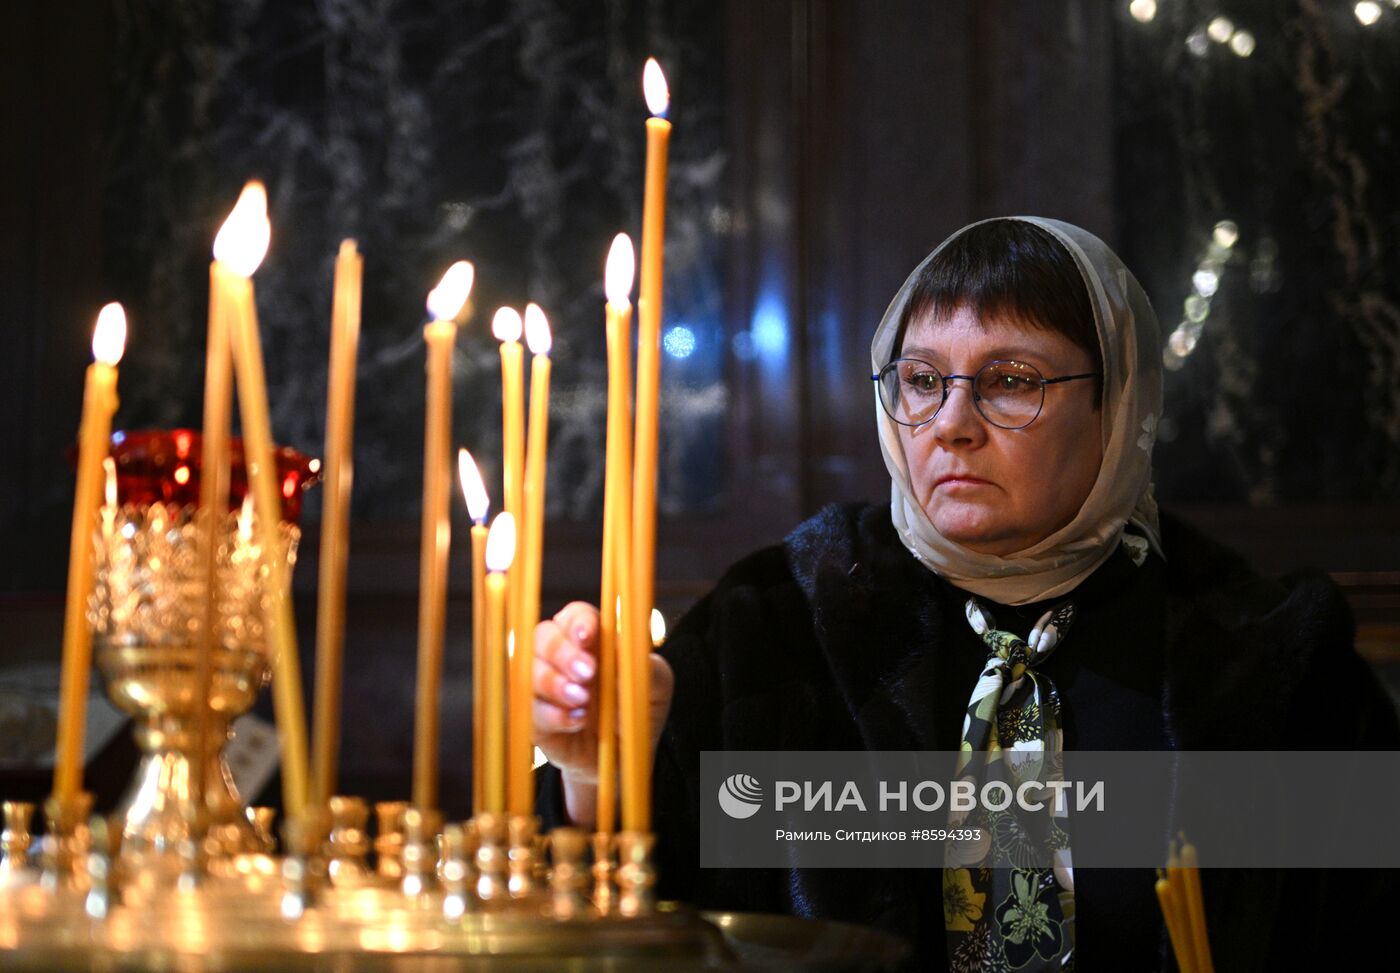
[[1122, 494]]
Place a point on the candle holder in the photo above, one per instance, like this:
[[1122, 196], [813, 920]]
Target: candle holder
[[348, 845], [15, 841], [492, 863], [604, 892], [455, 872], [420, 829], [568, 873], [523, 829], [388, 843], [148, 611], [636, 878], [67, 841]]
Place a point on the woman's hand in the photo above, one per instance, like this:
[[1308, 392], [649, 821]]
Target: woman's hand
[[565, 705]]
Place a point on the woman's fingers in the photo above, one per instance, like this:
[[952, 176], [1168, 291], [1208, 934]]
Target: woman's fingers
[[568, 641], [563, 668], [556, 719], [553, 686]]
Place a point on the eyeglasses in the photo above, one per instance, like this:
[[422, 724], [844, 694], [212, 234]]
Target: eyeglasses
[[1008, 394]]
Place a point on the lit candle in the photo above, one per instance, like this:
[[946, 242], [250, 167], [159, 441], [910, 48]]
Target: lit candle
[[528, 566], [335, 517], [617, 528], [240, 246], [444, 304], [658, 628], [478, 503], [226, 290], [507, 327], [94, 438], [500, 552], [636, 811]]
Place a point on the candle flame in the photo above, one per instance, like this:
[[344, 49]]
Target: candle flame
[[109, 472], [500, 542], [243, 239], [621, 270], [537, 334], [473, 487], [658, 95], [446, 300], [658, 627], [109, 337], [506, 325]]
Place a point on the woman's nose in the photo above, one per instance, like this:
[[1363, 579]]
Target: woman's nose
[[958, 420]]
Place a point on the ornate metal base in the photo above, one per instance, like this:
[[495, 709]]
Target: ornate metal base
[[148, 610], [228, 927], [156, 685], [290, 914]]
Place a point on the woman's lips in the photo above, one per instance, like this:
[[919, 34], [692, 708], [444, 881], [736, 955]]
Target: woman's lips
[[960, 483]]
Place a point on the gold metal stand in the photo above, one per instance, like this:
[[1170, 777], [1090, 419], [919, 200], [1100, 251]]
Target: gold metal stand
[[147, 611], [104, 909], [184, 877]]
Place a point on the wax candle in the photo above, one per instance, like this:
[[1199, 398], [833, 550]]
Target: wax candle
[[335, 517], [500, 552], [528, 567], [440, 335], [617, 528], [1171, 913], [94, 437], [240, 246], [637, 797], [507, 327], [478, 503], [1176, 880], [1195, 907], [109, 497], [214, 476]]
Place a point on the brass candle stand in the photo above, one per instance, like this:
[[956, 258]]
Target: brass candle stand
[[320, 897], [292, 913], [15, 841], [184, 877], [147, 611]]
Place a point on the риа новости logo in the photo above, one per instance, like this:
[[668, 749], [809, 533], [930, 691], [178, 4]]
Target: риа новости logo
[[740, 795]]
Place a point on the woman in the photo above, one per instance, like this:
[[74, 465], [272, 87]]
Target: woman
[[1021, 576]]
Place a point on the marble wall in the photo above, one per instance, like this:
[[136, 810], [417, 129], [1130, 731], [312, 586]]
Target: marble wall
[[507, 132], [1282, 120]]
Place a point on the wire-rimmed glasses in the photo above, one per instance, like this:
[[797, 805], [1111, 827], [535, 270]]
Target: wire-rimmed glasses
[[1008, 394]]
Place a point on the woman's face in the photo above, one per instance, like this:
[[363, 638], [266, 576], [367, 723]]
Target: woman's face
[[992, 490]]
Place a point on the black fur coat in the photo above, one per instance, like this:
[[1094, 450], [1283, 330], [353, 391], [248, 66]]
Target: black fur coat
[[837, 640]]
